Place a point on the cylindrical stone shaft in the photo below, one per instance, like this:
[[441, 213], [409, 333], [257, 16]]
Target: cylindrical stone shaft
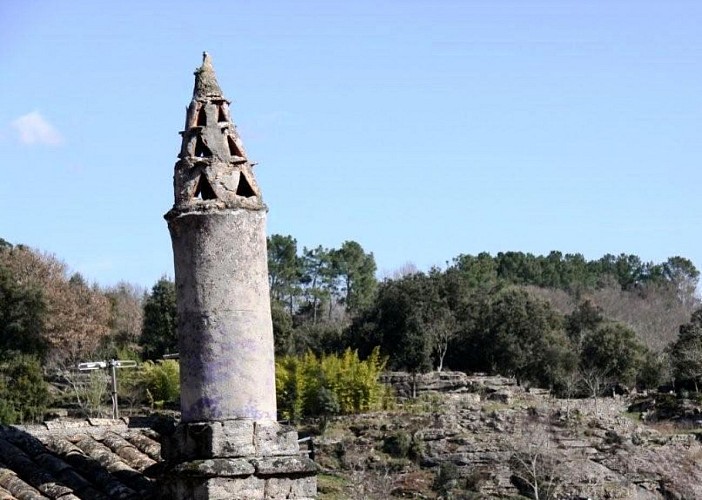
[[227, 367]]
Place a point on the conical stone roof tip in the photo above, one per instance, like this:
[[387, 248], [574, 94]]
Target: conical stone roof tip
[[206, 85]]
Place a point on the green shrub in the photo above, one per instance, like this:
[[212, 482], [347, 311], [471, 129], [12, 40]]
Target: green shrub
[[416, 449], [651, 371], [398, 445], [447, 478], [161, 380], [131, 389], [8, 415], [403, 445], [92, 391], [311, 386], [23, 392], [328, 405]]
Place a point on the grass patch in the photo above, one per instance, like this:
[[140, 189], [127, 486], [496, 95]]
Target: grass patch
[[494, 407], [331, 487], [337, 430], [634, 416], [427, 402]]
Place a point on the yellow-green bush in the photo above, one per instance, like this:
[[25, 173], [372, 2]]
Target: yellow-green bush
[[161, 380], [309, 386]]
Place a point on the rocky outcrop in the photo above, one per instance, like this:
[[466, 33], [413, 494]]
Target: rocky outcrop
[[487, 437], [407, 385]]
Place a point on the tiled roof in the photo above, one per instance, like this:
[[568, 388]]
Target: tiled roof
[[96, 459]]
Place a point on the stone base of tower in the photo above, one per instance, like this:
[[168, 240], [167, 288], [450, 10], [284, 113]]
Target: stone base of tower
[[236, 459]]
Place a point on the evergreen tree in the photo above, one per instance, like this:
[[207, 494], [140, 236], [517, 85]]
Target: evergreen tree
[[515, 332], [318, 278], [583, 320], [356, 271], [686, 352], [613, 350], [22, 311], [394, 322], [76, 315], [284, 270], [159, 333], [24, 394]]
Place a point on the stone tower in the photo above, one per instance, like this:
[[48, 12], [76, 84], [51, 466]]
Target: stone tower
[[228, 444]]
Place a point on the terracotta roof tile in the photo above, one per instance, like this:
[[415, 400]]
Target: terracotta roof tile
[[97, 459], [16, 487], [5, 495]]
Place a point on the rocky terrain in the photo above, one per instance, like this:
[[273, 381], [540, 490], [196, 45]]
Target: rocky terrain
[[484, 437]]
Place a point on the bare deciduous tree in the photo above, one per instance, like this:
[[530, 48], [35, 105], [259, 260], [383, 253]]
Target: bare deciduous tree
[[594, 378], [127, 311], [654, 313], [559, 299], [90, 390], [406, 269], [533, 462], [442, 330], [571, 381], [373, 485]]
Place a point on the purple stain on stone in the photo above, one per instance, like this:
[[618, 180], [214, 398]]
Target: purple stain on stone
[[246, 346], [251, 411], [204, 406]]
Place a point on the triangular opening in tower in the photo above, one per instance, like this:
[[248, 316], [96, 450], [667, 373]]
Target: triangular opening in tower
[[221, 117], [204, 190], [202, 117], [233, 148], [201, 150], [244, 188]]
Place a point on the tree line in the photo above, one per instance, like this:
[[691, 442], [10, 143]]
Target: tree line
[[558, 321], [58, 317], [51, 320]]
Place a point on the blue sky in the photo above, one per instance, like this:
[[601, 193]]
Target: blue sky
[[420, 129]]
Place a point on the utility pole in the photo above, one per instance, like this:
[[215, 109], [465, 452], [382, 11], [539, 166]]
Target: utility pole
[[112, 365]]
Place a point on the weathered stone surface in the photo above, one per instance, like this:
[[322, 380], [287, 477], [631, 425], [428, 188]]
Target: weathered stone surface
[[236, 439], [266, 450], [407, 385], [239, 489], [230, 439], [283, 487], [63, 424], [225, 331], [504, 397], [226, 439], [213, 171], [272, 438], [215, 467], [219, 488], [284, 465], [270, 477]]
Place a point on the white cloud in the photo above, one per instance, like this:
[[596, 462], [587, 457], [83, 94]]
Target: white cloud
[[33, 128]]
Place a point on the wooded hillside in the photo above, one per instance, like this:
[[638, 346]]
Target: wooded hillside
[[557, 321]]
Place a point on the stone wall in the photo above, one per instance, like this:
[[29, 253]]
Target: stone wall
[[236, 459]]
